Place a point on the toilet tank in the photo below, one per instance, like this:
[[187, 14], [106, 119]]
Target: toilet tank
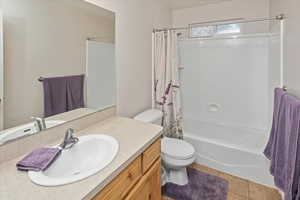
[[150, 116]]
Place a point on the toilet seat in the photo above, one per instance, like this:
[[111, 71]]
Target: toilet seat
[[177, 149]]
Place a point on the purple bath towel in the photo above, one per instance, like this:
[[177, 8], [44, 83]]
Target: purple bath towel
[[39, 159], [283, 148], [269, 150], [62, 94]]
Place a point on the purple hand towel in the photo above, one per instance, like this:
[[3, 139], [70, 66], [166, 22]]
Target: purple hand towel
[[283, 148], [39, 159]]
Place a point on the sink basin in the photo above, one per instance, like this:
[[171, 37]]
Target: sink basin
[[23, 130], [90, 155]]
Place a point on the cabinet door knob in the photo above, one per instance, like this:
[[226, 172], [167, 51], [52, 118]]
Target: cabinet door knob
[[130, 175]]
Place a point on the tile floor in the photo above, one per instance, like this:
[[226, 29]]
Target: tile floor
[[240, 189]]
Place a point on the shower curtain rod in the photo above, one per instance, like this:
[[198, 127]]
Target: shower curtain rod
[[221, 22]]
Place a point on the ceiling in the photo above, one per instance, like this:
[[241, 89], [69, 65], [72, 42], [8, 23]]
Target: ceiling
[[91, 9], [178, 4]]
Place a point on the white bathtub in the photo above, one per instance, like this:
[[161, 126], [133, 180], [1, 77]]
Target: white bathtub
[[234, 150]]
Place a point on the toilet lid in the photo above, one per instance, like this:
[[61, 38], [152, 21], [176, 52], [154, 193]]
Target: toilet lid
[[177, 148]]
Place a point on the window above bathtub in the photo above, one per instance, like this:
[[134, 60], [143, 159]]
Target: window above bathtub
[[198, 30]]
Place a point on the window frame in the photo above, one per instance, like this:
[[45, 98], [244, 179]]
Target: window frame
[[214, 28]]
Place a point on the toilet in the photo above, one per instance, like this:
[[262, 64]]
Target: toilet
[[176, 154]]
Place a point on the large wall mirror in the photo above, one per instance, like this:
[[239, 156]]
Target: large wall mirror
[[58, 63]]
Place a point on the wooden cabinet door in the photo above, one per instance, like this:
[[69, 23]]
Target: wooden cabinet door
[[149, 187], [120, 186], [150, 155]]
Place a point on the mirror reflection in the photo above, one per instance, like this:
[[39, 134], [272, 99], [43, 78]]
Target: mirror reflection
[[59, 63]]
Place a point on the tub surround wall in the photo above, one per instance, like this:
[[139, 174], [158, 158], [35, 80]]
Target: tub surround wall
[[218, 98], [228, 123], [19, 147], [120, 128]]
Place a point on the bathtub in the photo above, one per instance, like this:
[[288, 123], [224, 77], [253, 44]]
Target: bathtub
[[233, 150]]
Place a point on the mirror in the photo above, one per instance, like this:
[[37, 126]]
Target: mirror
[[58, 63]]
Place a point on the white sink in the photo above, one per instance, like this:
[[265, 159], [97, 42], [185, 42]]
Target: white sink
[[23, 130], [90, 155]]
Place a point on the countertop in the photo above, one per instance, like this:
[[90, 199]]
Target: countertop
[[71, 115], [133, 136]]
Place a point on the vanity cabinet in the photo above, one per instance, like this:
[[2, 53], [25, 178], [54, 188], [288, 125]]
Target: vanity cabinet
[[139, 181], [148, 188]]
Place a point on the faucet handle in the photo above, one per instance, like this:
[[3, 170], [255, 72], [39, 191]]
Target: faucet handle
[[69, 140]]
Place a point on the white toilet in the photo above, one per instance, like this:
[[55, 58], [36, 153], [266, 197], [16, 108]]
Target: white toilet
[[176, 153]]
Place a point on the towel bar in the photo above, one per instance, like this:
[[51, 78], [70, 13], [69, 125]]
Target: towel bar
[[41, 79]]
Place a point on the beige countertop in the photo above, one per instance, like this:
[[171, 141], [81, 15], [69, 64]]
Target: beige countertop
[[133, 136], [71, 115]]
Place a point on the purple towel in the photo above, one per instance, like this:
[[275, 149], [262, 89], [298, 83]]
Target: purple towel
[[279, 93], [39, 159], [283, 148], [62, 94]]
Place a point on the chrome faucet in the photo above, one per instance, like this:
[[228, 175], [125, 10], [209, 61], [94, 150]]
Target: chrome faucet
[[39, 123], [70, 140]]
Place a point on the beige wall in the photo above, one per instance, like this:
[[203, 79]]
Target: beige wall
[[220, 11], [135, 20], [292, 41], [45, 38]]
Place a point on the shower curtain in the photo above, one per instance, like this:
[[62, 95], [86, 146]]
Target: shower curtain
[[166, 94]]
